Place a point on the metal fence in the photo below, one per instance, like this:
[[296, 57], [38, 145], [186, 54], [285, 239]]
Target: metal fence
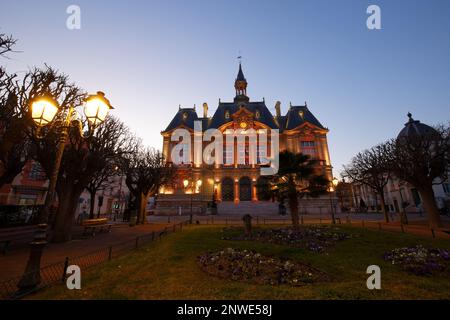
[[56, 273], [368, 224]]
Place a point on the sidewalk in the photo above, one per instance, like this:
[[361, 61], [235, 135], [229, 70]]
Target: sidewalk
[[13, 263]]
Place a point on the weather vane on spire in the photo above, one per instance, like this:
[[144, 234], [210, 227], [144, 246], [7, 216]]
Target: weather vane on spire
[[239, 56]]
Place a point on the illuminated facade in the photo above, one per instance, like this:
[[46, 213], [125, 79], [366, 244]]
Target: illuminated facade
[[299, 131]]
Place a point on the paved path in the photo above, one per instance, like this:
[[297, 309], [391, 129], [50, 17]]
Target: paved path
[[13, 263]]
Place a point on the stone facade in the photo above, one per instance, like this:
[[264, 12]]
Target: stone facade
[[197, 183]]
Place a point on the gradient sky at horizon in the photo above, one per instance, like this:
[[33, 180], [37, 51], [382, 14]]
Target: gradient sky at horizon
[[151, 56]]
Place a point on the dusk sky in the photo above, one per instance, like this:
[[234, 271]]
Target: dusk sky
[[150, 56]]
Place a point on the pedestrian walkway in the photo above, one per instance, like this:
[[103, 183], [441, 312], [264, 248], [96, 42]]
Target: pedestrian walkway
[[13, 264]]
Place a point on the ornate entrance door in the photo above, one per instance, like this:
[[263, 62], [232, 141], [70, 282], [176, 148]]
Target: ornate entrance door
[[227, 189], [245, 189]]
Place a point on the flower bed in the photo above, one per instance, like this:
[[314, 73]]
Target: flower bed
[[314, 238], [420, 260], [249, 266]]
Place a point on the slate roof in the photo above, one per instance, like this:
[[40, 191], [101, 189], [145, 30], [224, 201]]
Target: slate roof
[[240, 76], [293, 118], [415, 127], [290, 121], [179, 119], [218, 119]]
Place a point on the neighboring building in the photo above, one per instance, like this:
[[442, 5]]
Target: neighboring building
[[110, 201], [28, 188], [399, 194], [197, 183]]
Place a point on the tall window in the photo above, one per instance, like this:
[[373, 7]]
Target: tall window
[[262, 153], [228, 153], [309, 148]]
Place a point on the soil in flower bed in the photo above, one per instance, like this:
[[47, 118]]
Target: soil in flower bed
[[252, 267], [314, 238], [420, 260]]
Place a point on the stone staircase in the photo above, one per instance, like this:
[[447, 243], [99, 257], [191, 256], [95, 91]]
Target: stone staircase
[[261, 208]]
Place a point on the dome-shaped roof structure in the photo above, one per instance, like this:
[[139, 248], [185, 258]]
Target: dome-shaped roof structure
[[415, 128]]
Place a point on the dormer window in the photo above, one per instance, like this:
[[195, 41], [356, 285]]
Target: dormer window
[[301, 114], [257, 114], [185, 115], [227, 114]]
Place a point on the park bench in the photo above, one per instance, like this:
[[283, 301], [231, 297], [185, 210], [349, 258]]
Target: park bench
[[93, 226], [15, 235]]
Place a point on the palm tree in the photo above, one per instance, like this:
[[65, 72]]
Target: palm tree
[[296, 179]]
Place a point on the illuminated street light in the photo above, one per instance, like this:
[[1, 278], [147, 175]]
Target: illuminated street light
[[97, 108], [43, 110]]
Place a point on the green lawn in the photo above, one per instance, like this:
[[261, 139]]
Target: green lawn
[[169, 270]]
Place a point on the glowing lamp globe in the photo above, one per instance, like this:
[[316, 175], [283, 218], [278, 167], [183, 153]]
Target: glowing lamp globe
[[335, 182], [97, 108], [43, 111]]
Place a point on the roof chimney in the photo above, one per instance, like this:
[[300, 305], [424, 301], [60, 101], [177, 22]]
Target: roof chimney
[[278, 108], [205, 110]]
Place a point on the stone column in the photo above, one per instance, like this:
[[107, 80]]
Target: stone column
[[236, 191], [254, 193]]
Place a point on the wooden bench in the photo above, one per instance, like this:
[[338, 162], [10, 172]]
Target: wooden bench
[[8, 236], [93, 226]]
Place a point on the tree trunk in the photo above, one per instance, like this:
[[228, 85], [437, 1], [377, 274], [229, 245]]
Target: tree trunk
[[383, 207], [293, 206], [429, 203], [62, 229], [141, 205], [92, 204]]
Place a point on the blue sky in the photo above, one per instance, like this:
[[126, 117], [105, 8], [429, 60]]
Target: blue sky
[[151, 56]]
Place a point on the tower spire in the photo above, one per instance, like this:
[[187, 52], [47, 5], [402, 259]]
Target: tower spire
[[240, 84]]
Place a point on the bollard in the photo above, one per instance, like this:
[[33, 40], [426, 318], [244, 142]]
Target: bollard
[[379, 225], [362, 222], [137, 242], [153, 235], [401, 226], [432, 232]]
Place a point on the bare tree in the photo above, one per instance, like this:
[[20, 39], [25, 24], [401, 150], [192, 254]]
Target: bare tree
[[6, 44], [83, 158], [14, 145], [100, 181], [423, 161], [145, 171], [371, 168]]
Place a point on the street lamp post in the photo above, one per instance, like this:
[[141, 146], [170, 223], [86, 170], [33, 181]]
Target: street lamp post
[[43, 111], [333, 185]]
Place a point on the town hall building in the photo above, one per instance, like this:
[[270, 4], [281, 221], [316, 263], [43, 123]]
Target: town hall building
[[197, 183]]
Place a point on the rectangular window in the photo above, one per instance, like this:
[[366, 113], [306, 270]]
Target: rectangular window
[[307, 144], [262, 154], [308, 147], [36, 172], [228, 154]]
